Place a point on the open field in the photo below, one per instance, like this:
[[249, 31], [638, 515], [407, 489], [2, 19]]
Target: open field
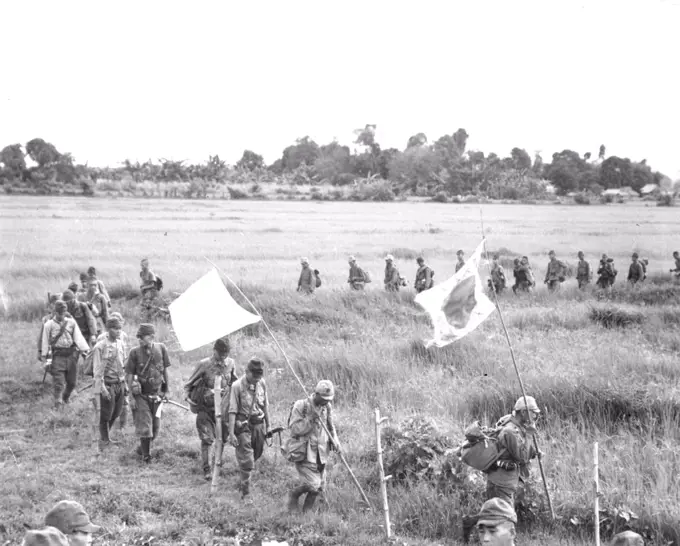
[[616, 386]]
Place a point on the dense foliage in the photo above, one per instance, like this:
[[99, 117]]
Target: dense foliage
[[443, 168]]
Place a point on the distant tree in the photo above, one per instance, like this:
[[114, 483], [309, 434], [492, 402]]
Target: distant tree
[[537, 167], [305, 150], [418, 139], [43, 153], [566, 170], [415, 167], [616, 172], [587, 156], [460, 138], [366, 136], [12, 157], [333, 162], [214, 168], [601, 152], [250, 161], [520, 159], [368, 161], [641, 175]]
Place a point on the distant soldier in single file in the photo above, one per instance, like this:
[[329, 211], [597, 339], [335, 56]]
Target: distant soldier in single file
[[460, 255], [357, 276], [583, 272], [556, 273], [423, 276]]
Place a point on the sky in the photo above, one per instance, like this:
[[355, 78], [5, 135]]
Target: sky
[[108, 81]]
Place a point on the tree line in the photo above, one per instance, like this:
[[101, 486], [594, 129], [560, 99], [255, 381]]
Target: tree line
[[423, 167]]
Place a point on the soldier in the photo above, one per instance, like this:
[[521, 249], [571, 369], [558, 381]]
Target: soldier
[[636, 271], [423, 276], [305, 426], [124, 347], [61, 336], [146, 375], [71, 519], [109, 391], [199, 393], [514, 443], [555, 273], [676, 257], [627, 538], [98, 302], [496, 523], [248, 420], [607, 273], [583, 271], [306, 282], [357, 276], [80, 292], [148, 289], [49, 536], [50, 313], [82, 315], [531, 279], [461, 260], [92, 275], [497, 281], [392, 281]]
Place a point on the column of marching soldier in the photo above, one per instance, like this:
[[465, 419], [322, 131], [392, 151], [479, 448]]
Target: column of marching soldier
[[139, 377]]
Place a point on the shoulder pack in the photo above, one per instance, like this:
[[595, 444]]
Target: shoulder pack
[[295, 447], [480, 450], [159, 283], [317, 278], [367, 276]]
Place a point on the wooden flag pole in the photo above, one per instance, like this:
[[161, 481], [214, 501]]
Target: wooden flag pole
[[596, 490], [217, 462], [383, 478]]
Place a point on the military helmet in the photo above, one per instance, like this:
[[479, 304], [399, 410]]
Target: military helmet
[[529, 404]]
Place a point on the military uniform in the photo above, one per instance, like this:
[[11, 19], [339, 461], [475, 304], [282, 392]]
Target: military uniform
[[423, 279], [64, 340], [149, 365], [459, 265], [607, 273], [83, 316], [250, 406], [391, 278], [514, 443], [583, 274], [636, 273], [497, 278], [199, 391], [306, 282], [109, 374], [124, 347], [149, 293], [357, 277], [555, 274]]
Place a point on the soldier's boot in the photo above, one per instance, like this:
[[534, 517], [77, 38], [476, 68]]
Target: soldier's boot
[[294, 497], [205, 459], [146, 449], [103, 436], [310, 499]]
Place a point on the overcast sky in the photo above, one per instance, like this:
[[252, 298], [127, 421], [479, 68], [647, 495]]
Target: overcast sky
[[143, 79]]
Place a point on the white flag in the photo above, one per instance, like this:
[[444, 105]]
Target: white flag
[[206, 311], [458, 305]]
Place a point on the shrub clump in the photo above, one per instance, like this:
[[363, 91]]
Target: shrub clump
[[235, 193], [440, 197], [581, 199], [613, 316], [665, 200]]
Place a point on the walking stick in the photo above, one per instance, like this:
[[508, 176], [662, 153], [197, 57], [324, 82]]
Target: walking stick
[[333, 439], [383, 479], [519, 377]]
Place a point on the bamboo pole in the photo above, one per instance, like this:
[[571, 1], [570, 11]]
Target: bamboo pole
[[383, 478], [219, 446], [596, 490], [333, 439], [519, 377]]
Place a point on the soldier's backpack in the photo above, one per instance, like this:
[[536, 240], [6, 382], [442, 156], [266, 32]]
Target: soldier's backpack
[[480, 450], [367, 276], [317, 278], [294, 449], [159, 283]]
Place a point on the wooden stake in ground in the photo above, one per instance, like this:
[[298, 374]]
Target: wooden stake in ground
[[596, 490], [383, 478], [217, 463]]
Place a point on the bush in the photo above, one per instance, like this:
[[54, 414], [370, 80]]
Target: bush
[[235, 193], [581, 199], [606, 199], [665, 200], [612, 316], [379, 190], [440, 197]]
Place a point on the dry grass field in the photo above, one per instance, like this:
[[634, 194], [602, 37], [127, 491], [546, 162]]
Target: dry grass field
[[618, 386]]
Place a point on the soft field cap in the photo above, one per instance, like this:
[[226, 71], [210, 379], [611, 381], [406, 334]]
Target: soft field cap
[[69, 516], [496, 511]]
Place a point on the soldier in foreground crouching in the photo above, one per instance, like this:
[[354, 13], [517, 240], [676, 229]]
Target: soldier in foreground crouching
[[146, 375], [310, 441], [201, 397]]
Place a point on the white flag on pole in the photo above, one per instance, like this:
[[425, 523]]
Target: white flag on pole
[[206, 311], [458, 305]]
